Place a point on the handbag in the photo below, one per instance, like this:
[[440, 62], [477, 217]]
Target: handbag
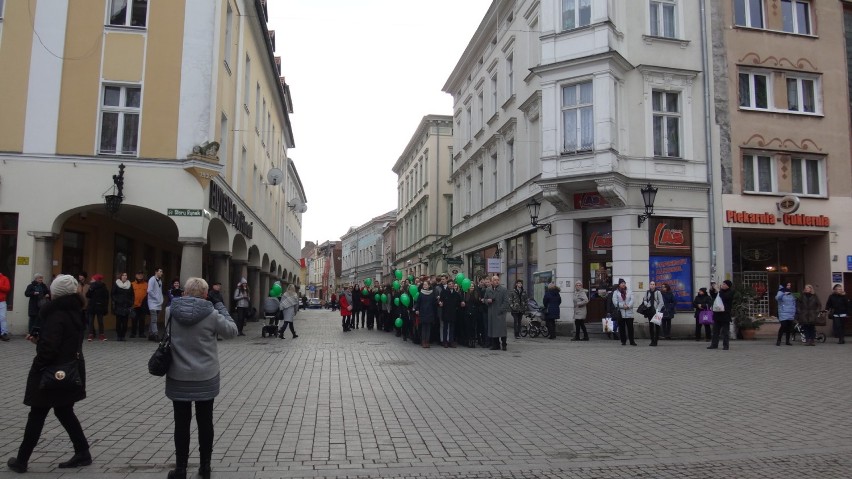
[[160, 361], [705, 317], [643, 309], [657, 319], [718, 305], [61, 377]]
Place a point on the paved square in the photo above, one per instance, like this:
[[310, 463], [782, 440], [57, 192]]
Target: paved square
[[366, 404]]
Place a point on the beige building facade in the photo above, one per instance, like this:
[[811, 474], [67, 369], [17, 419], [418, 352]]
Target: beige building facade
[[782, 112], [139, 135]]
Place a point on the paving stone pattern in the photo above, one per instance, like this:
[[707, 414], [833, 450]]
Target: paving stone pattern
[[365, 404]]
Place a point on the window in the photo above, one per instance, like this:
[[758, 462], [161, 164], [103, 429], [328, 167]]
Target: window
[[2, 2], [223, 138], [797, 16], [229, 19], [132, 13], [754, 90], [748, 13], [247, 93], [510, 75], [494, 175], [469, 131], [666, 108], [468, 186], [494, 93], [120, 120], [481, 106], [263, 117], [577, 118], [801, 94], [576, 13], [663, 19], [759, 175], [257, 109], [481, 178], [510, 154], [807, 176]]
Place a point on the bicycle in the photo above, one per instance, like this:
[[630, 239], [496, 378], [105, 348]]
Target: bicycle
[[798, 332]]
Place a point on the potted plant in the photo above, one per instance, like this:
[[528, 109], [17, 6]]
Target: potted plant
[[747, 324]]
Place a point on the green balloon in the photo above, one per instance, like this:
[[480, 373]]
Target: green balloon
[[465, 286], [412, 289], [384, 298], [411, 278], [398, 322], [405, 299], [396, 301], [396, 285], [377, 297], [398, 274], [459, 278], [276, 290], [416, 295], [271, 293], [364, 292], [368, 282]]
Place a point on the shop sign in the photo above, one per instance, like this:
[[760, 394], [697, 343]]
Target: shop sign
[[670, 235], [589, 201], [182, 212], [789, 219], [836, 277], [493, 265], [226, 208], [600, 241], [849, 263]]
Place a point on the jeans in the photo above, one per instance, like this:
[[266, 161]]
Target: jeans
[[155, 313], [242, 313], [448, 331], [120, 326], [580, 325], [517, 317], [92, 328], [4, 329], [284, 328], [345, 322], [551, 327], [785, 330], [35, 423], [625, 330], [837, 327], [204, 420], [723, 327]]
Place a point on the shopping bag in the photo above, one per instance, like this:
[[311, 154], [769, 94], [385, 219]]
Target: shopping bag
[[705, 317], [718, 305], [657, 319], [607, 324]]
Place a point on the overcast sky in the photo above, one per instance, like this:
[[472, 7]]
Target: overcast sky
[[362, 73]]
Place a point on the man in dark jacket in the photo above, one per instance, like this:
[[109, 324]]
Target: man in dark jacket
[[215, 293], [98, 296], [38, 293], [450, 302], [357, 307]]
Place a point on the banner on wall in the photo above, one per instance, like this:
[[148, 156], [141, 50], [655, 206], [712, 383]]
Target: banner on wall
[[677, 272]]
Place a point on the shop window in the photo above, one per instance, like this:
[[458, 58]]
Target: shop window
[[120, 119], [9, 251], [759, 174], [133, 13], [796, 15], [667, 121], [576, 13], [807, 176], [748, 13], [754, 90], [663, 21]]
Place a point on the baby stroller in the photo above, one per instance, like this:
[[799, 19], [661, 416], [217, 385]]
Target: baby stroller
[[270, 312], [534, 317]]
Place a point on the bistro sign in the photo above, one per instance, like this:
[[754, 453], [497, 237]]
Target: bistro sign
[[225, 207], [744, 217]]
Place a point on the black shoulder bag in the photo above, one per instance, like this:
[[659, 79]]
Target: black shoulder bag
[[63, 377], [160, 361]]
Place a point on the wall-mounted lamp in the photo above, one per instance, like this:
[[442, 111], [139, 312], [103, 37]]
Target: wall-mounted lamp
[[649, 193], [499, 252], [534, 207], [112, 202]]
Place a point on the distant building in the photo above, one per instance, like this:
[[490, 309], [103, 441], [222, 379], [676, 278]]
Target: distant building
[[362, 250]]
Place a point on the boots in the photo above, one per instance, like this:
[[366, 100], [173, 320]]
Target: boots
[[204, 468], [179, 472], [79, 459], [16, 465]]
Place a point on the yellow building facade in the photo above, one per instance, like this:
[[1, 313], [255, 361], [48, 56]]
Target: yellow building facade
[[143, 134]]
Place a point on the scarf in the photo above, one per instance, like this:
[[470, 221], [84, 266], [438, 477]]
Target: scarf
[[623, 294], [348, 295], [122, 285], [427, 292], [289, 300]]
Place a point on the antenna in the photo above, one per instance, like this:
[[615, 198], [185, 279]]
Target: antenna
[[274, 176]]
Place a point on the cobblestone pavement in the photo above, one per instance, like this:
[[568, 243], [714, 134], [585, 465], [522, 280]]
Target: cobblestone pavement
[[366, 404]]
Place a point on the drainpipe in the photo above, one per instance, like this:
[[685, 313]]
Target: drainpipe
[[711, 206]]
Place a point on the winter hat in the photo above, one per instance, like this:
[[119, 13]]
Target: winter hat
[[703, 290], [621, 280], [729, 283], [97, 277], [63, 285], [243, 281]]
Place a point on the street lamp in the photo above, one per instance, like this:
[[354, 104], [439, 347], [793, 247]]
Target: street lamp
[[534, 207], [112, 202], [649, 193]]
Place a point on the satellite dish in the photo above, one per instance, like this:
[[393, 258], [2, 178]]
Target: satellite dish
[[274, 176], [297, 205]]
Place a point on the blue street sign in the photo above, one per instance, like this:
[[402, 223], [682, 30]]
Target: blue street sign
[[311, 288], [849, 263]]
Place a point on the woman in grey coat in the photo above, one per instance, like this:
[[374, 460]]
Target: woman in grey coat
[[581, 299], [289, 306], [194, 373]]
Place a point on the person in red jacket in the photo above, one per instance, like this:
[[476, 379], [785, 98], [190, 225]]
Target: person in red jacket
[[5, 286], [346, 308]]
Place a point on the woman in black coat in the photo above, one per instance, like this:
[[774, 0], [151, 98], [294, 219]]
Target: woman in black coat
[[38, 293], [122, 304], [60, 341], [98, 296], [551, 301], [722, 319], [702, 302]]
